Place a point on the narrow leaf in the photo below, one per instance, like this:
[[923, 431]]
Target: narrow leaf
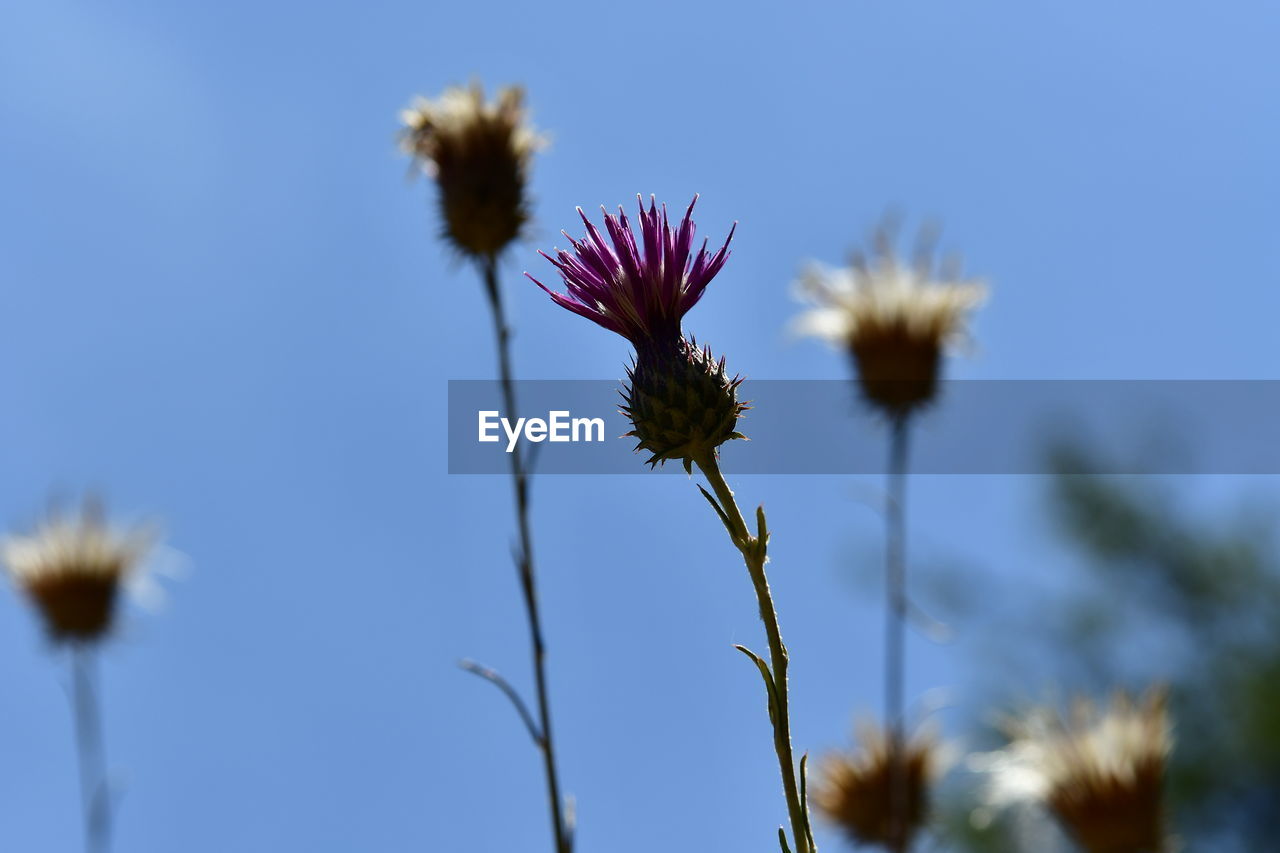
[[503, 685], [724, 519], [804, 799], [769, 686]]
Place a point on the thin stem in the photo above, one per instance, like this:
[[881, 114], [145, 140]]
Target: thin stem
[[755, 554], [91, 751], [896, 630], [524, 561]]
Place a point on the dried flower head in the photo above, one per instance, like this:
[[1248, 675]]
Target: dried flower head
[[641, 296], [72, 569], [895, 319], [479, 153], [859, 791], [1099, 772], [681, 401]]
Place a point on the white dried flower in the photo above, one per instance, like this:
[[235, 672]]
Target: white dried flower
[[73, 567], [895, 318], [1099, 772]]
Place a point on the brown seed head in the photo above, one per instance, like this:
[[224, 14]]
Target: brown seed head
[[1099, 772], [860, 791], [895, 318], [479, 153], [72, 569]]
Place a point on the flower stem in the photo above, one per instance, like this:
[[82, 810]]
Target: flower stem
[[896, 630], [524, 563], [754, 551], [91, 751]]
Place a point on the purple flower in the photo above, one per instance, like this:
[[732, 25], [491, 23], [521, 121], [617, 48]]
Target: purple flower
[[641, 296]]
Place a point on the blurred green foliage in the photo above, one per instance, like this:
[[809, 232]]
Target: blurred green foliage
[[1167, 595]]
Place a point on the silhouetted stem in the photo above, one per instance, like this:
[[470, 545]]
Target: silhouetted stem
[[524, 561], [896, 630], [754, 550], [91, 751]]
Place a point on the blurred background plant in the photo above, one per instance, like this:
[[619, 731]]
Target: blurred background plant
[[74, 569], [894, 318], [1169, 594]]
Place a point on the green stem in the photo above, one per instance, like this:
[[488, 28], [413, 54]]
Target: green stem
[[754, 551], [524, 564]]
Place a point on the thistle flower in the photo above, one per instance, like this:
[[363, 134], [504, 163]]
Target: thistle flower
[[72, 569], [680, 399], [641, 296], [856, 789], [894, 318], [1099, 773], [683, 405], [479, 153]]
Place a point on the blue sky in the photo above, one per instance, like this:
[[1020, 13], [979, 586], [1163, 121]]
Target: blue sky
[[225, 305]]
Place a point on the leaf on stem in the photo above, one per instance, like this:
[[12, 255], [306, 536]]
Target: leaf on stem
[[934, 629], [502, 684], [782, 839], [804, 799], [569, 814], [724, 519], [770, 688], [761, 542], [804, 783]]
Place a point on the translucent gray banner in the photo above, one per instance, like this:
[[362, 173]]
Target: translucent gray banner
[[822, 427]]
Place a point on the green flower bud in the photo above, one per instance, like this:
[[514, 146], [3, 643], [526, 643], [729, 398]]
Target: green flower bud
[[681, 402]]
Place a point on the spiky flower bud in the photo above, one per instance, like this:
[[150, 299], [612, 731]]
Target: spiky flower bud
[[894, 318], [72, 569], [1100, 772], [879, 793], [479, 154], [681, 402]]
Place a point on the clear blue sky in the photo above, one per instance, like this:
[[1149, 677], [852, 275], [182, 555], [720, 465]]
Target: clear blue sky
[[224, 304]]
